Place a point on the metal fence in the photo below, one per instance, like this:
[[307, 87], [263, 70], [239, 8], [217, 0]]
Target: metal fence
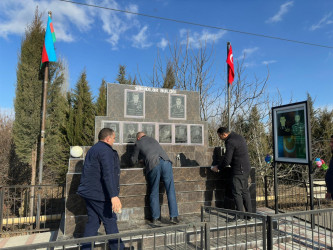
[[230, 229], [293, 230], [293, 195], [188, 236], [30, 208], [300, 230]]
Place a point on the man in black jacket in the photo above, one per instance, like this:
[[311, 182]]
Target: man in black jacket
[[99, 186], [158, 166], [329, 175], [237, 157]]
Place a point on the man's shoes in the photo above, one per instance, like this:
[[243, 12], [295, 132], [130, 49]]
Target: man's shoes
[[174, 220], [156, 222]]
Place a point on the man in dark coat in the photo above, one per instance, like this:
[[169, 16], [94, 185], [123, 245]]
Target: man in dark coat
[[329, 175], [158, 166], [237, 157], [99, 187]]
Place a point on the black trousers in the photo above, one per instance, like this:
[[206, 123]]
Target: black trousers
[[241, 193]]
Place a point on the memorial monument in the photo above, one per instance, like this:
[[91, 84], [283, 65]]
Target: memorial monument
[[170, 116]]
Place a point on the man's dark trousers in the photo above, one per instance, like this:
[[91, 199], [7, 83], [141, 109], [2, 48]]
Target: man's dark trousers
[[241, 193], [98, 211]]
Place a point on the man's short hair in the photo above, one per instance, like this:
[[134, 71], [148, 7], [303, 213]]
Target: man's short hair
[[105, 132], [223, 130], [331, 136]]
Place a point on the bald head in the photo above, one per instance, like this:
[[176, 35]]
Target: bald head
[[139, 135]]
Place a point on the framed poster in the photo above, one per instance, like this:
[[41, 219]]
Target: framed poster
[[165, 133], [129, 132], [134, 104], [180, 133], [149, 129], [177, 107], [291, 133], [196, 134], [114, 126]]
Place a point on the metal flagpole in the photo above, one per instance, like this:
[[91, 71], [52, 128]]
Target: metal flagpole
[[228, 47], [42, 138]]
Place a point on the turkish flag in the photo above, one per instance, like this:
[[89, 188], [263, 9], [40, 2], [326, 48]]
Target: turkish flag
[[230, 62]]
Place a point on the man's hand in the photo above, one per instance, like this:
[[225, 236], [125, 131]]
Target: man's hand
[[116, 204], [215, 169]]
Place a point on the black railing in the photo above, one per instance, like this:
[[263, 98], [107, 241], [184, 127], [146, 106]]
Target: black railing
[[187, 236], [31, 208], [234, 229], [293, 195]]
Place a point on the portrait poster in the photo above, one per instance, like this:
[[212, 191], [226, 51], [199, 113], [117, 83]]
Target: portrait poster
[[129, 132], [196, 134], [291, 133], [114, 126], [165, 133], [134, 104], [177, 107], [149, 129], [180, 133]]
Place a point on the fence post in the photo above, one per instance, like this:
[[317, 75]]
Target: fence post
[[269, 233], [207, 236], [201, 228], [266, 190], [1, 207]]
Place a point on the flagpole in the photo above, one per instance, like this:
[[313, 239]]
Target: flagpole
[[42, 132], [228, 47]]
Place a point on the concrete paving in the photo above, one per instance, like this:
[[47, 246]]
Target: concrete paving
[[27, 239]]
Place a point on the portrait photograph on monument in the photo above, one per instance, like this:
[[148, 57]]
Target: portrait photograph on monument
[[180, 133], [290, 127], [165, 133], [129, 132], [177, 107], [196, 134], [149, 129], [134, 103], [114, 126]]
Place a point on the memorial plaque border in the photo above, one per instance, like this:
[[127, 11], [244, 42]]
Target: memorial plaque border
[[126, 91], [170, 106]]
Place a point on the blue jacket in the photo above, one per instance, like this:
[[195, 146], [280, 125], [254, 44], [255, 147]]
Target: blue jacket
[[100, 174]]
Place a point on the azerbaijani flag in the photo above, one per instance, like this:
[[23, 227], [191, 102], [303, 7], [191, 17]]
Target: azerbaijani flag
[[49, 54]]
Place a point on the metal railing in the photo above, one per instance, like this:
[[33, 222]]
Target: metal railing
[[234, 229], [293, 195], [299, 230], [30, 208], [187, 236]]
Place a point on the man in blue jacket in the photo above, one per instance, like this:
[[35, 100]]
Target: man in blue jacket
[[329, 175], [99, 187], [237, 156]]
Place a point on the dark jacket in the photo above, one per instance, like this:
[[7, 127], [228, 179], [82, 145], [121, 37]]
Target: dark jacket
[[100, 174], [329, 177], [236, 155], [150, 150]]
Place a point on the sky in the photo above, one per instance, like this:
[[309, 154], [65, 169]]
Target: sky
[[98, 40]]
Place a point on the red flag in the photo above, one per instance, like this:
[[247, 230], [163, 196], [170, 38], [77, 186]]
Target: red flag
[[230, 62]]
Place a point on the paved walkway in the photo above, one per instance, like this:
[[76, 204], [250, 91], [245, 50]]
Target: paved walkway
[[27, 239]]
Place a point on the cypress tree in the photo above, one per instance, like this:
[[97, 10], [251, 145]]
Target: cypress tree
[[121, 78], [27, 104], [101, 100], [83, 116], [169, 79]]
